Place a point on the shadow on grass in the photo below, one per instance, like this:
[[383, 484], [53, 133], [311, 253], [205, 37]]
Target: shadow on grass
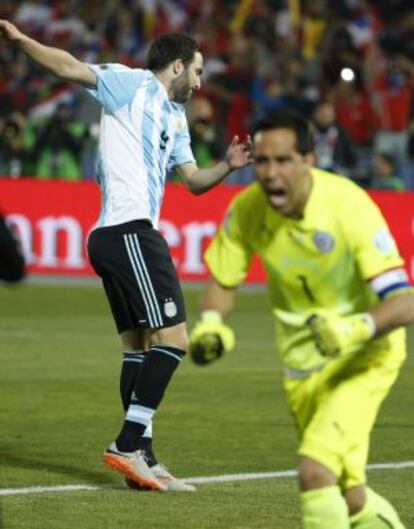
[[83, 474]]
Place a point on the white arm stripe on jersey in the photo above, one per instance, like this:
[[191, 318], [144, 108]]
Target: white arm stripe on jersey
[[390, 281]]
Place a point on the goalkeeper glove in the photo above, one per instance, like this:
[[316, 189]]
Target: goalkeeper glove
[[337, 335], [210, 338]]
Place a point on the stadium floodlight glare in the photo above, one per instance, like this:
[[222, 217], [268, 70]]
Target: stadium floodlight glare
[[347, 74]]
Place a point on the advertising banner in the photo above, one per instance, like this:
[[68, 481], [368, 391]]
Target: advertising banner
[[53, 220]]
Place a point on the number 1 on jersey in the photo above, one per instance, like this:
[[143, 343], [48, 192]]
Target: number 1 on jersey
[[306, 288]]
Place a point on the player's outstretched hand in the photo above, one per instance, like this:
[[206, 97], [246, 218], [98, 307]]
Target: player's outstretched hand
[[9, 31], [210, 338], [335, 335], [239, 153]]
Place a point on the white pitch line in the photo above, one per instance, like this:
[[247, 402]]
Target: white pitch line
[[41, 490], [288, 473], [243, 477], [199, 480]]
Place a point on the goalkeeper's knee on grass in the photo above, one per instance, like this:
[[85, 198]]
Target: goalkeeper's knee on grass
[[210, 338]]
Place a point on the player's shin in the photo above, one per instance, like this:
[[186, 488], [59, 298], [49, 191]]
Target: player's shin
[[130, 373], [157, 371], [378, 513], [324, 508]]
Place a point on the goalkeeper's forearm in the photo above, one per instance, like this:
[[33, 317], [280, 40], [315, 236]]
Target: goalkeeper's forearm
[[59, 62], [217, 297], [393, 312], [336, 335]]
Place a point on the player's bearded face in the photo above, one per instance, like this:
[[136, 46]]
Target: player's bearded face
[[189, 80], [283, 173], [182, 90]]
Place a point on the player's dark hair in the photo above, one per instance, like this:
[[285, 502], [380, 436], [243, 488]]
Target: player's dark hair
[[169, 47], [288, 119]]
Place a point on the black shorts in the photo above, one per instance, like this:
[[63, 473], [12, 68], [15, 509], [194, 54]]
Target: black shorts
[[138, 275]]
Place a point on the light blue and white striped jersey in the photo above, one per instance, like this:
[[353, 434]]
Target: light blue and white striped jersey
[[142, 136]]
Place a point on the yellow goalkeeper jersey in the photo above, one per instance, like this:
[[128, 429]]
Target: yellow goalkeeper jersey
[[325, 260]]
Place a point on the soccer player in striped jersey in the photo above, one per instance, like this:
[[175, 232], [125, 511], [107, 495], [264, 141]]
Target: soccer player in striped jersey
[[341, 299], [143, 134]]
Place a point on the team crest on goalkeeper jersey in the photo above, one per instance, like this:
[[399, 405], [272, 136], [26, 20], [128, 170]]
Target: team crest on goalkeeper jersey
[[170, 308], [323, 241]]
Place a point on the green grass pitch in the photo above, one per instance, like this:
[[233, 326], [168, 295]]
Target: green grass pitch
[[59, 408]]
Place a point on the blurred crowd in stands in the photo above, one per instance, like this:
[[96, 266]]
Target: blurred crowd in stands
[[348, 65]]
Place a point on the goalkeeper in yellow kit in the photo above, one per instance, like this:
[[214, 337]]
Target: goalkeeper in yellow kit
[[340, 297]]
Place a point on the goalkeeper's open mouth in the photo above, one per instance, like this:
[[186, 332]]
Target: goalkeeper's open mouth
[[278, 197]]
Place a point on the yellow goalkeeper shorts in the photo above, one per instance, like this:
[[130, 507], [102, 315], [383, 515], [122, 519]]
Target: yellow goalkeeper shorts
[[335, 408]]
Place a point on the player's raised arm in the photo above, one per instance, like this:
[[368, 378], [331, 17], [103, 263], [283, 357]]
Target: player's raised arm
[[59, 62], [198, 181]]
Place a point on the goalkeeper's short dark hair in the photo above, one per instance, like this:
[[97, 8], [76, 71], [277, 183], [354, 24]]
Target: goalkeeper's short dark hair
[[169, 47], [292, 120]]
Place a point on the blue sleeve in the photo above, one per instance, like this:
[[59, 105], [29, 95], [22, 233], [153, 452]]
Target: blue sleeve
[[181, 152], [116, 85]]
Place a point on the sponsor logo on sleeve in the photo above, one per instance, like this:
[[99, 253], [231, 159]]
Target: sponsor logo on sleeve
[[383, 241]]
